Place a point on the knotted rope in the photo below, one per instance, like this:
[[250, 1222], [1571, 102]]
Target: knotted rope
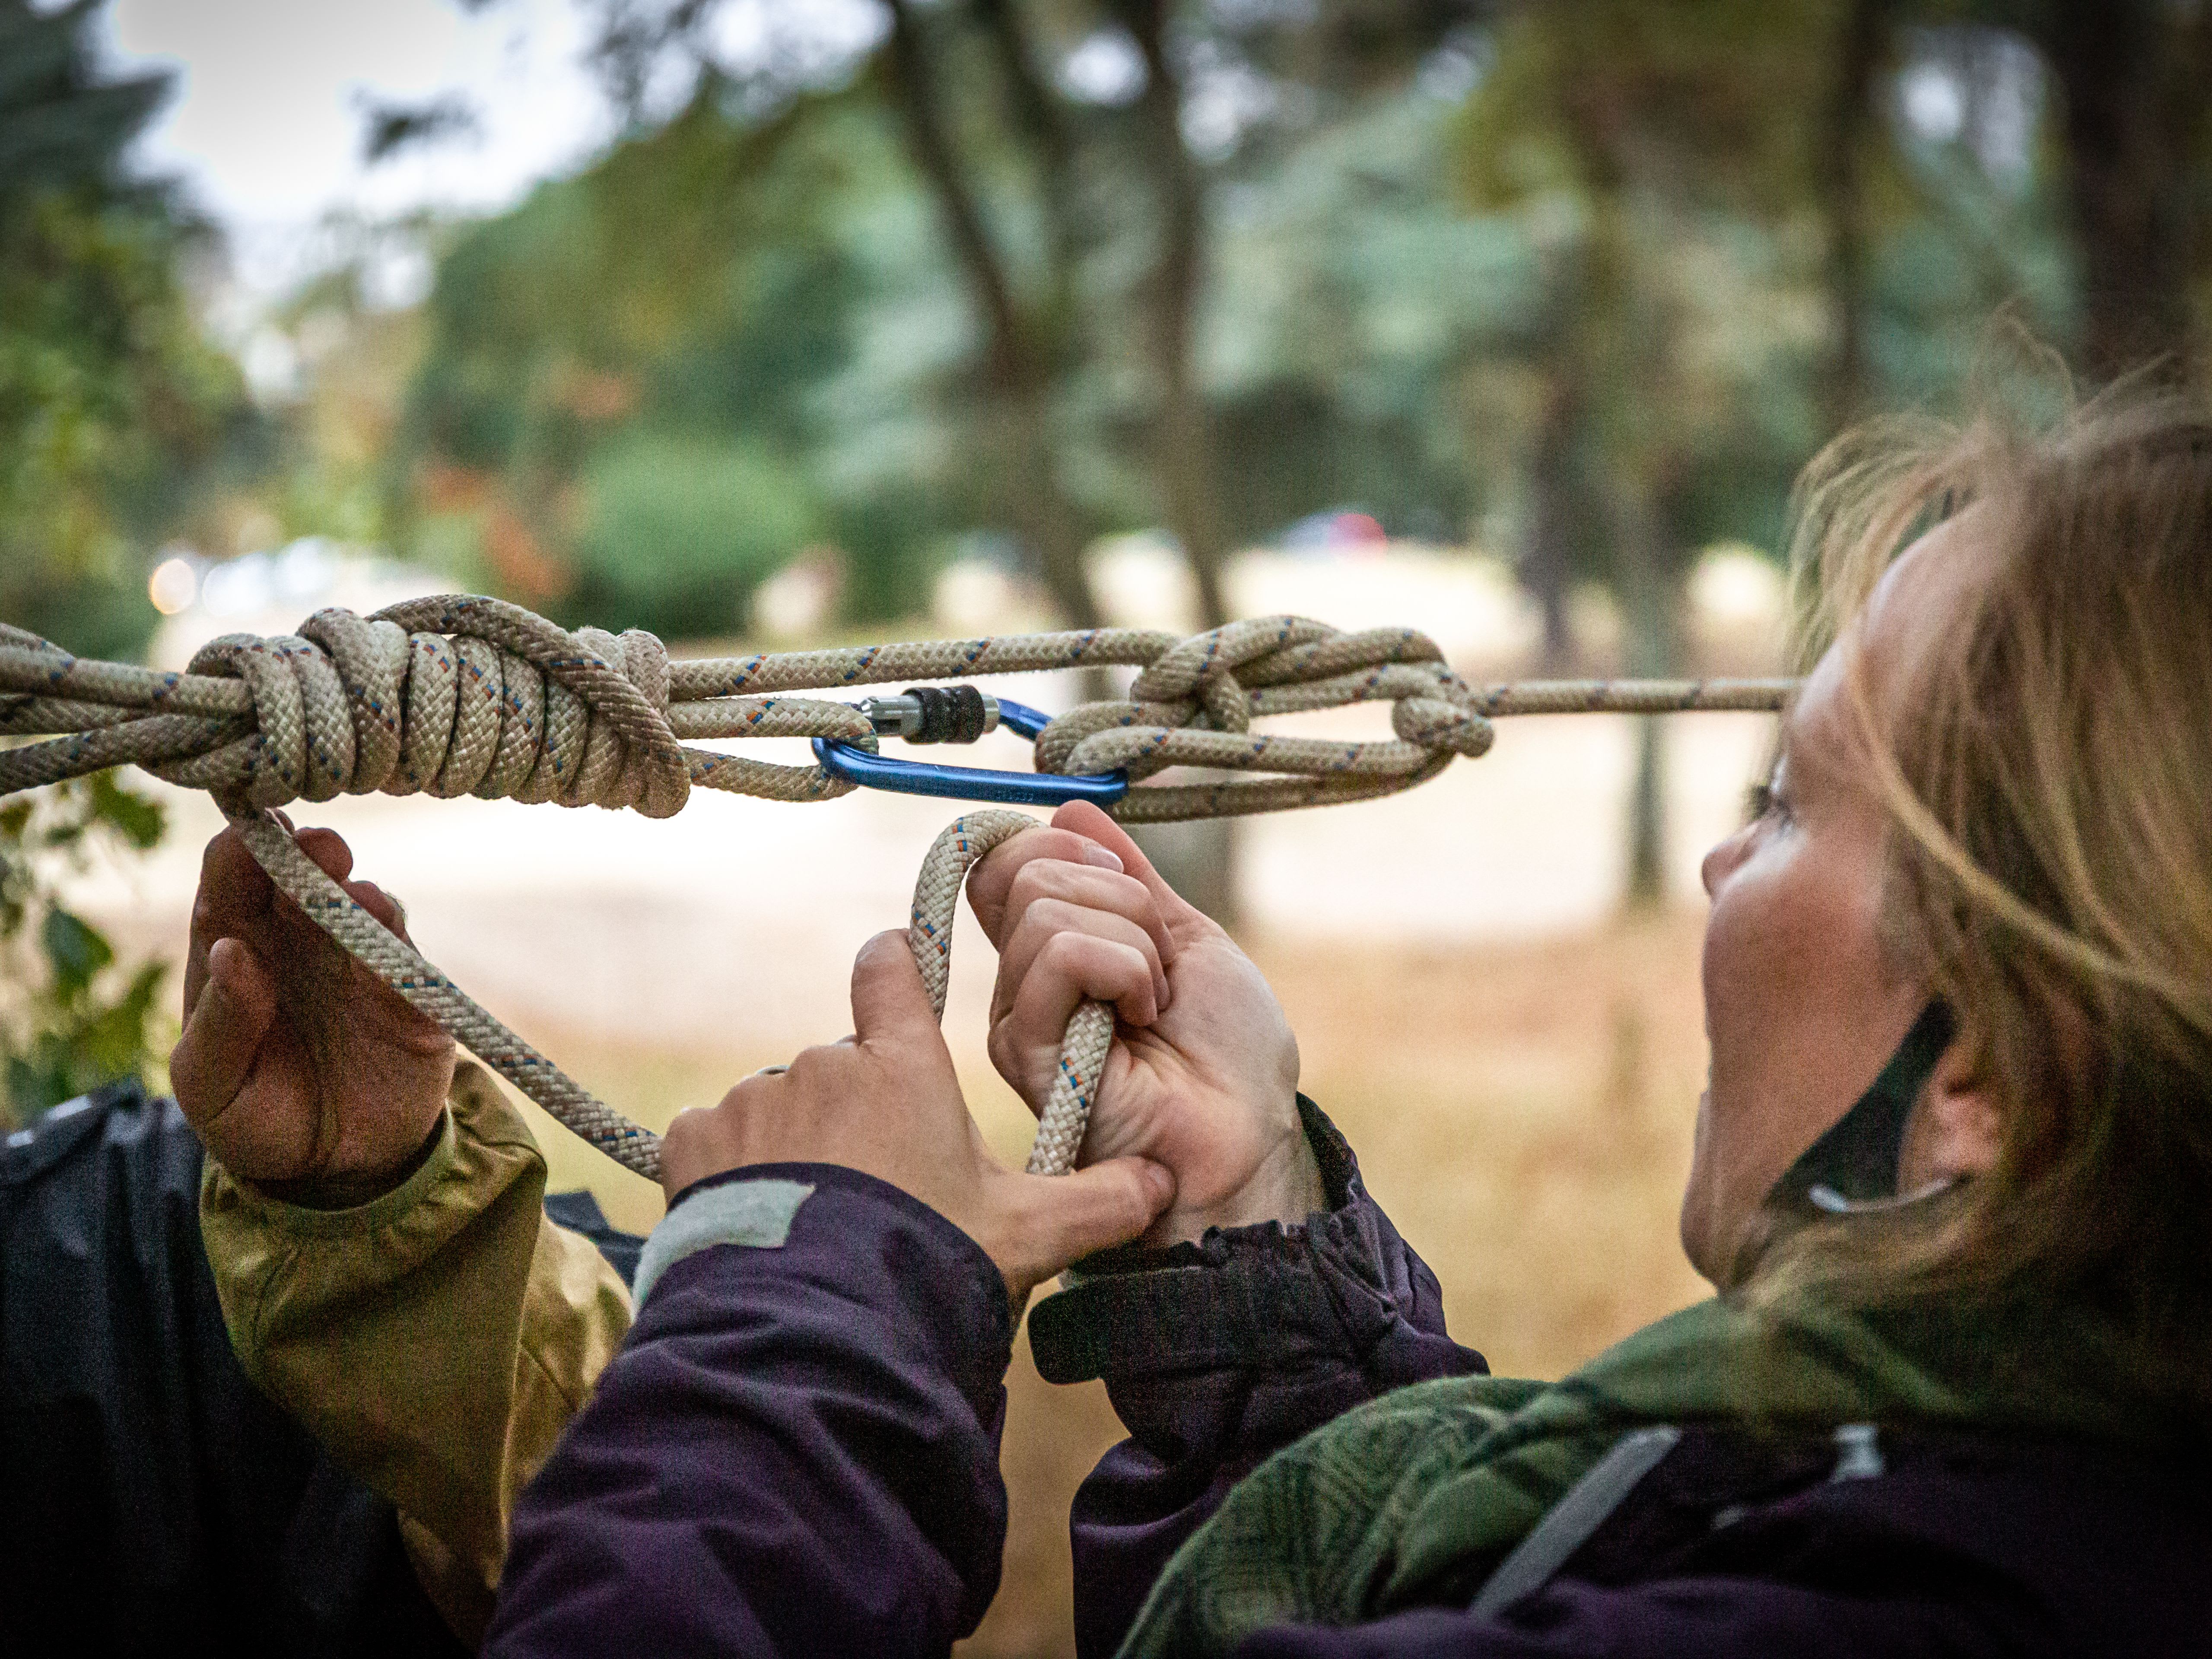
[[462, 695]]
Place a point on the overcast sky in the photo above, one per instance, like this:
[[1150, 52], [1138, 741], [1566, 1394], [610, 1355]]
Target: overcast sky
[[266, 122]]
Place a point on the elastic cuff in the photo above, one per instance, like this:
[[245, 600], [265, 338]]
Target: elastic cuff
[[755, 1213], [1262, 1296], [309, 1221]]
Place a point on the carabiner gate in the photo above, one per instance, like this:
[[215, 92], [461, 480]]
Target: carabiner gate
[[912, 712]]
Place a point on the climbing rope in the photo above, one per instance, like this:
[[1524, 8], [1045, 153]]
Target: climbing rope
[[466, 695]]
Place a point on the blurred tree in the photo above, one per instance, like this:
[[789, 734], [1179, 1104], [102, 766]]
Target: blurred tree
[[2135, 79], [677, 530], [1023, 343], [1031, 270], [1847, 151], [1658, 154], [113, 410], [109, 398], [704, 290], [1726, 281]]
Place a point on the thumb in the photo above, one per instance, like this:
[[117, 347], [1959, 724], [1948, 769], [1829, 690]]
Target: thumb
[[215, 1055], [1078, 1214], [889, 1002]]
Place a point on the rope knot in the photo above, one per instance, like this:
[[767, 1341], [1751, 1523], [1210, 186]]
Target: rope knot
[[1194, 705], [459, 696]]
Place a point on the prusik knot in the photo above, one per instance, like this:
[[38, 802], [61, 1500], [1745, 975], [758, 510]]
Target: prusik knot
[[1194, 705], [447, 696]]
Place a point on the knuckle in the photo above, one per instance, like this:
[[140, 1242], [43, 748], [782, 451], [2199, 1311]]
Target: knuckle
[[808, 1065], [1032, 882], [1065, 951], [1056, 914], [689, 1126]]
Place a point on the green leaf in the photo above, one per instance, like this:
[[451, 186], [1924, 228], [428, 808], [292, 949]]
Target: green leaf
[[76, 950], [140, 819]]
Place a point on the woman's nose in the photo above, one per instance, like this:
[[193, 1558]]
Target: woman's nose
[[1721, 862]]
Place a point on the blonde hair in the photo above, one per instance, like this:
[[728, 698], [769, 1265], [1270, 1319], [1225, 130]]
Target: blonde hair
[[2049, 785]]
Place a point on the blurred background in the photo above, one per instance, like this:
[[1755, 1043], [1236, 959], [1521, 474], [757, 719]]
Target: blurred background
[[770, 322]]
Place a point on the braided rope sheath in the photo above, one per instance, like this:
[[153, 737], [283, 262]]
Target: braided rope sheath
[[407, 971], [1090, 1029], [460, 694]]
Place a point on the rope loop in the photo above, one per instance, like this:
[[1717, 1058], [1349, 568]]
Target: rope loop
[[1195, 703]]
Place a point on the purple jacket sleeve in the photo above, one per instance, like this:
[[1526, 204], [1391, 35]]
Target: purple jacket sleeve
[[1218, 1353], [796, 1451]]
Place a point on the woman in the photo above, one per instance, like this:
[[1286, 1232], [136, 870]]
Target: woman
[[1951, 1178]]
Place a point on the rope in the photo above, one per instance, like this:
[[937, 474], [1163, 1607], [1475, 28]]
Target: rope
[[466, 695], [1090, 1029]]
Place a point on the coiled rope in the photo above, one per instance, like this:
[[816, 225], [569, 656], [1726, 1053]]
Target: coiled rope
[[466, 695]]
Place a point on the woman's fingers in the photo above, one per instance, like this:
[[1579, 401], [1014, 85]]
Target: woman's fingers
[[1094, 888], [1024, 1043], [1088, 822], [328, 849], [383, 906], [222, 1037], [990, 883], [232, 902], [1046, 919]]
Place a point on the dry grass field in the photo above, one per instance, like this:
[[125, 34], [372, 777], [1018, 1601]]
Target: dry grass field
[[1523, 1112]]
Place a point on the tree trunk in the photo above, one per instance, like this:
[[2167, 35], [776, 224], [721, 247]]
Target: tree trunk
[[1015, 375], [1863, 49], [1649, 598], [1547, 565], [1183, 441], [2126, 128]]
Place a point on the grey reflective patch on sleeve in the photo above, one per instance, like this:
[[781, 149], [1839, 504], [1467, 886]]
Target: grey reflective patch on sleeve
[[758, 1213], [1858, 1453], [1569, 1524]]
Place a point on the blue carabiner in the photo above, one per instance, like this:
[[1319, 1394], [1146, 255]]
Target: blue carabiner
[[843, 760]]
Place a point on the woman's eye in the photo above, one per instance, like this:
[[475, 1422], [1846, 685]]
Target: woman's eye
[[1764, 801]]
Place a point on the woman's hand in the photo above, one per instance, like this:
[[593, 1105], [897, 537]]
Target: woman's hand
[[298, 1067], [1204, 1072], [886, 1101]]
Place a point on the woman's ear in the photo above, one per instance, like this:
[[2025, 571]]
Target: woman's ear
[[1955, 1131]]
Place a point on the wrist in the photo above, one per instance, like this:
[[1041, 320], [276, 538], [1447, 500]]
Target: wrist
[[349, 1189], [1286, 1186]]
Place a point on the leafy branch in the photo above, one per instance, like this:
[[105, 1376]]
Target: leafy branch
[[70, 1017]]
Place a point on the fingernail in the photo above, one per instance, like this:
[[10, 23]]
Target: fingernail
[[1104, 857]]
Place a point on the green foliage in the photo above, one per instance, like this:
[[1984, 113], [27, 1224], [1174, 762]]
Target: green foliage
[[72, 1019], [112, 404], [691, 326], [109, 395], [678, 531]]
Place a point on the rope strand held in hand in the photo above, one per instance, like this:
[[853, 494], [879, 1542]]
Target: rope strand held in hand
[[1090, 1033]]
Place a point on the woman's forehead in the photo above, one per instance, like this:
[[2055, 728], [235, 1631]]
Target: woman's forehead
[[1914, 607]]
